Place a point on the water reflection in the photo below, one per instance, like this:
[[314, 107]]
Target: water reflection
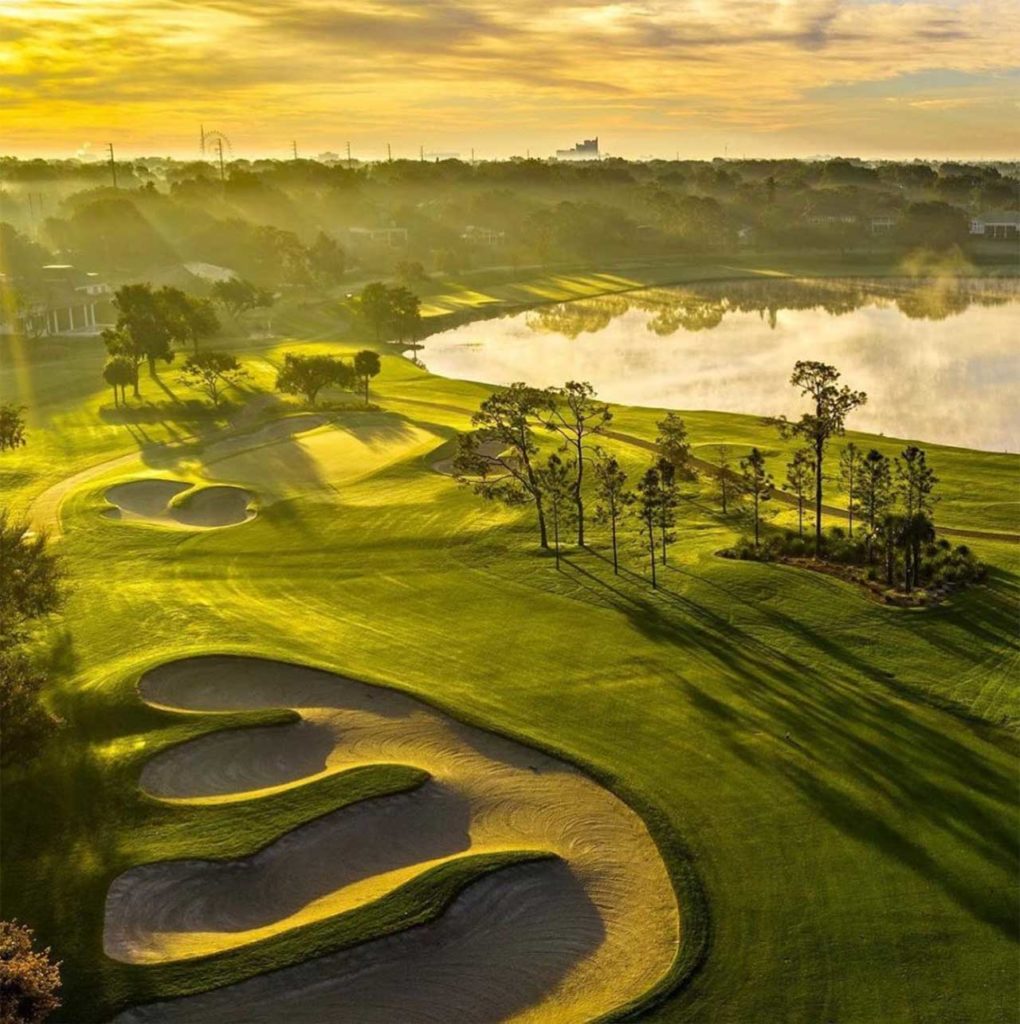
[[938, 358]]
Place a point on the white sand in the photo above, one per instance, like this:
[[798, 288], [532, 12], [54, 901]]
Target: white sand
[[567, 941], [153, 501]]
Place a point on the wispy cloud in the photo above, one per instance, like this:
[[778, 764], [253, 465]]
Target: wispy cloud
[[148, 69]]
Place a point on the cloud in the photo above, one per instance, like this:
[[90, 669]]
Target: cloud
[[754, 66]]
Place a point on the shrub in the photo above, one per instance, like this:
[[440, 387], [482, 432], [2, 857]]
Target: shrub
[[28, 979]]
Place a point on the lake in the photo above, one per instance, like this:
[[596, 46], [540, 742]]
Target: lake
[[937, 358]]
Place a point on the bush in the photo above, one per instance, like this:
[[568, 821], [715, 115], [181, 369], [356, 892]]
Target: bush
[[28, 980]]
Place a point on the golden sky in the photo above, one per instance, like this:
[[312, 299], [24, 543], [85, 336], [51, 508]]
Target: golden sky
[[696, 77]]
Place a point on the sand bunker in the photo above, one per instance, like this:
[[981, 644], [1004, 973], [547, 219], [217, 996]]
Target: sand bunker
[[565, 940], [158, 501]]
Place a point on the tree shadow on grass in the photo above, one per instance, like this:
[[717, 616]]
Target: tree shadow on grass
[[836, 715]]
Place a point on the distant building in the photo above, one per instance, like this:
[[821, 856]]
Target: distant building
[[483, 236], [64, 300], [392, 238], [1004, 224], [882, 225], [586, 150]]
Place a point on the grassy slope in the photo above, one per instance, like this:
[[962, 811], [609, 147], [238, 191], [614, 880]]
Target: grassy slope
[[857, 845]]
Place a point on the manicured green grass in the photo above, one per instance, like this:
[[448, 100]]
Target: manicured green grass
[[837, 772]]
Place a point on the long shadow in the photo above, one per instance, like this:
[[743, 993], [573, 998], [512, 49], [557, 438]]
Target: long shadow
[[883, 745]]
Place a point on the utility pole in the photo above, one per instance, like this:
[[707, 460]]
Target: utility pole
[[389, 154], [472, 156], [348, 156], [293, 146], [421, 154], [201, 139], [219, 150], [113, 164]]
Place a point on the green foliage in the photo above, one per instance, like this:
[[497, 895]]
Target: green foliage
[[366, 366], [212, 373], [308, 375], [12, 427], [29, 979], [119, 372], [327, 258], [238, 295], [675, 449], [757, 483], [932, 225]]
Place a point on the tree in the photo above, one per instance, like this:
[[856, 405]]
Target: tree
[[758, 484], [212, 373], [850, 466], [238, 295], [144, 328], [576, 415], [915, 531], [12, 427], [374, 304], [832, 404], [404, 317], [915, 485], [675, 449], [649, 497], [327, 259], [669, 498], [29, 588], [932, 225], [367, 365], [29, 980], [556, 481], [876, 491], [611, 497], [189, 319], [119, 372], [799, 475], [308, 375], [724, 474], [504, 442]]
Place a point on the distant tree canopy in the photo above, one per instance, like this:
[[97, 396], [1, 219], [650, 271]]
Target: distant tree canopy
[[239, 296], [933, 225]]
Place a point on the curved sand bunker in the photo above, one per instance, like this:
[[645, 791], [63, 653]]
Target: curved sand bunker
[[565, 940], [205, 508]]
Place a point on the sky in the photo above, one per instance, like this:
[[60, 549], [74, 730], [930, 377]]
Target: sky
[[694, 78]]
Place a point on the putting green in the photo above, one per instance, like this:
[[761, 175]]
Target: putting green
[[601, 928]]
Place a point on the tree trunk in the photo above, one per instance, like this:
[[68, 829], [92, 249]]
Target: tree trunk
[[756, 520], [616, 564], [850, 510], [662, 532], [722, 487], [818, 498], [651, 553], [366, 390], [543, 534], [578, 499], [800, 515], [556, 534]]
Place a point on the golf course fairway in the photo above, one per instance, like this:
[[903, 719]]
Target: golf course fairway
[[368, 749]]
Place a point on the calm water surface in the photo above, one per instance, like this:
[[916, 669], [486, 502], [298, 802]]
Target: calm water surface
[[940, 360]]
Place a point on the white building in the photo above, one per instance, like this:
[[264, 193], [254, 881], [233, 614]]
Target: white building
[[1003, 224]]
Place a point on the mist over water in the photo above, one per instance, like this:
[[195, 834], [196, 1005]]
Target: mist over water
[[938, 359]]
